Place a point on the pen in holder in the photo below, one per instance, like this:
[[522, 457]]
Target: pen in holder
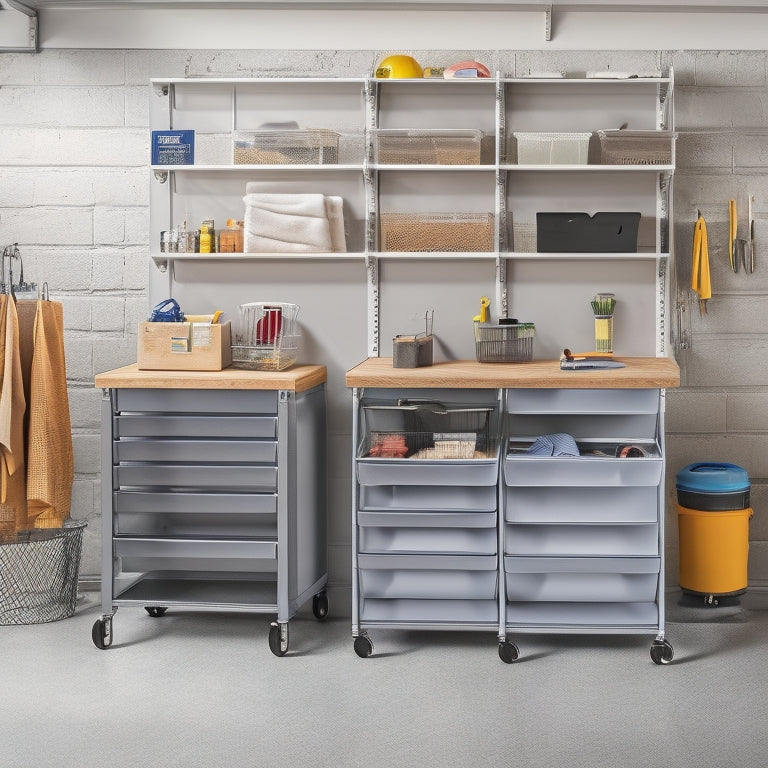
[[603, 305]]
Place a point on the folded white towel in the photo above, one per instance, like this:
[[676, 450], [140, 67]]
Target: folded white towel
[[293, 223]]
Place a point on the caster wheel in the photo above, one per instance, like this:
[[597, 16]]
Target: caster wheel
[[278, 638], [102, 634], [662, 652], [155, 610], [363, 646], [320, 606], [508, 652]]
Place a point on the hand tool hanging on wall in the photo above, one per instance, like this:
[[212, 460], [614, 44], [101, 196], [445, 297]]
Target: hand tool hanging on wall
[[751, 235], [700, 279]]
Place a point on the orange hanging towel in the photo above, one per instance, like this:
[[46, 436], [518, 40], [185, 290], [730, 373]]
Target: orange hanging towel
[[13, 511], [50, 462]]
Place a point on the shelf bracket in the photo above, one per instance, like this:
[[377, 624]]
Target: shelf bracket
[[161, 176], [32, 31]]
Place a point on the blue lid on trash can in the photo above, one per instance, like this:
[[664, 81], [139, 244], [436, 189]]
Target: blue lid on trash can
[[712, 477]]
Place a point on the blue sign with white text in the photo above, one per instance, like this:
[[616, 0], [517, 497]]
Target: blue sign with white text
[[173, 147]]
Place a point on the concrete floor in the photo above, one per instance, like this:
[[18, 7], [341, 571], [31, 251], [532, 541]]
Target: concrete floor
[[202, 689]]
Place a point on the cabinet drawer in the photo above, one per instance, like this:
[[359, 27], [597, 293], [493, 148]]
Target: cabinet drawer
[[597, 401], [556, 504], [419, 472], [421, 519], [163, 425], [228, 515], [223, 477], [582, 540], [573, 471], [465, 541], [434, 577], [573, 579], [195, 451], [238, 401], [478, 498], [146, 554]]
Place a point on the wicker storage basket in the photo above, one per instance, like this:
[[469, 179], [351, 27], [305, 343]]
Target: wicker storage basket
[[39, 569], [436, 232]]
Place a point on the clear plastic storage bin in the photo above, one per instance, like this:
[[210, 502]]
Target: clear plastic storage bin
[[552, 148], [311, 146], [428, 147], [622, 147], [436, 232]]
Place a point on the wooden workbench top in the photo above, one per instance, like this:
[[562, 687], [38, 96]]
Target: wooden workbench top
[[639, 373], [299, 378]]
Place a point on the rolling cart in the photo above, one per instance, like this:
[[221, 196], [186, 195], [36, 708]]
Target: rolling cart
[[213, 493]]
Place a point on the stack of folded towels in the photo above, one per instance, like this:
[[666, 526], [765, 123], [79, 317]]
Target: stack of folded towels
[[293, 223]]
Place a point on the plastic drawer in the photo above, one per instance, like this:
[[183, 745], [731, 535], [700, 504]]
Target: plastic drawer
[[386, 518], [573, 471], [196, 451], [447, 472], [187, 401], [432, 577], [231, 515], [466, 541], [221, 477], [592, 401], [573, 579], [146, 554], [162, 425], [479, 498], [452, 613], [582, 540], [590, 617], [554, 504]]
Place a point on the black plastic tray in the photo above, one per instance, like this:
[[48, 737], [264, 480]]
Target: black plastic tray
[[604, 232]]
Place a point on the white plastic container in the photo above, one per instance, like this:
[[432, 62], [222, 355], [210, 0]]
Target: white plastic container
[[552, 148]]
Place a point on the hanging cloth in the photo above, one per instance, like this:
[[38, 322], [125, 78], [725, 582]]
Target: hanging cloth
[[50, 461], [700, 280], [13, 510]]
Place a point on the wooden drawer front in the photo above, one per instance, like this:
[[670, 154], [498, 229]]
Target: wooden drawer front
[[462, 541], [144, 554], [450, 472], [597, 401], [185, 401], [204, 477], [165, 426], [574, 471], [556, 504], [226, 515], [472, 499], [582, 540], [432, 577], [576, 579], [196, 451]]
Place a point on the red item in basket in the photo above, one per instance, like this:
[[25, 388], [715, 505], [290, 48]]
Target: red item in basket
[[268, 328], [389, 447]]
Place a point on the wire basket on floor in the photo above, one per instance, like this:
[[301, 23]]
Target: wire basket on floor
[[266, 336], [510, 343], [39, 569]]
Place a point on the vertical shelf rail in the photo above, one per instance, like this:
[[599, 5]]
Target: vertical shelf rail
[[371, 181], [502, 229]]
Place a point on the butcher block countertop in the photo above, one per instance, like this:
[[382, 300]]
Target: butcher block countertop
[[299, 378], [639, 373]]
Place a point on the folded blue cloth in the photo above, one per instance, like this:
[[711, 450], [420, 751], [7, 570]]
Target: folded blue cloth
[[559, 444]]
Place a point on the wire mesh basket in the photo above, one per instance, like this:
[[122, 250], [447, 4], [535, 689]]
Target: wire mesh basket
[[39, 569], [511, 343], [266, 336], [426, 430]]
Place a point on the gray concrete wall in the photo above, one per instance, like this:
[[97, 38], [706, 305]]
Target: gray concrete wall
[[74, 194]]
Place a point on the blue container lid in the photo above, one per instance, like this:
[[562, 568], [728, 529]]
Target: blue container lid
[[712, 477]]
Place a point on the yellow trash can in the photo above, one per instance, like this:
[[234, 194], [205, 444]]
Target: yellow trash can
[[713, 515]]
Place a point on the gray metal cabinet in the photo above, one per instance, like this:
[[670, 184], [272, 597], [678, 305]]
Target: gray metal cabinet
[[425, 520], [583, 536], [212, 498]]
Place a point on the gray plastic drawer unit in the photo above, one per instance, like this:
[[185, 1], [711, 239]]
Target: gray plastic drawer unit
[[214, 497]]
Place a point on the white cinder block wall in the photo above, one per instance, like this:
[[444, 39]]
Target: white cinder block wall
[[74, 185]]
